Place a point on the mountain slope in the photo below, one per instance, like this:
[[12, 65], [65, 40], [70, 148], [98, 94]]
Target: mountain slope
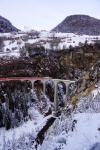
[[80, 24], [6, 26]]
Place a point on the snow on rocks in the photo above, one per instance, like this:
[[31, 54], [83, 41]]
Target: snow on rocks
[[95, 92], [90, 103]]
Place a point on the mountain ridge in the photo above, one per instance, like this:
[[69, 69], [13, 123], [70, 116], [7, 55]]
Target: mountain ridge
[[79, 24], [6, 26]]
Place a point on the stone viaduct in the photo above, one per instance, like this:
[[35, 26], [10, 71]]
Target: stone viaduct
[[67, 83]]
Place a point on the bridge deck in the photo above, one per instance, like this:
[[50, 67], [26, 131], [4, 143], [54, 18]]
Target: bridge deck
[[33, 79], [22, 78]]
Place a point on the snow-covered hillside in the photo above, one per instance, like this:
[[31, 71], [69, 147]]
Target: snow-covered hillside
[[13, 42], [78, 131], [73, 130]]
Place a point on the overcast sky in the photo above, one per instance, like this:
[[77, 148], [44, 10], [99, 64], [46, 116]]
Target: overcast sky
[[45, 14]]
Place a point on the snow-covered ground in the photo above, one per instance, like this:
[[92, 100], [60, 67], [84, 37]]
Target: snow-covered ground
[[66, 39], [84, 135], [86, 132], [63, 40]]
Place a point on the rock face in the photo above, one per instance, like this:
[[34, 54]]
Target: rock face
[[80, 24], [6, 26]]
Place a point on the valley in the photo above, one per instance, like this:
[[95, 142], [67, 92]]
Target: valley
[[50, 86]]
